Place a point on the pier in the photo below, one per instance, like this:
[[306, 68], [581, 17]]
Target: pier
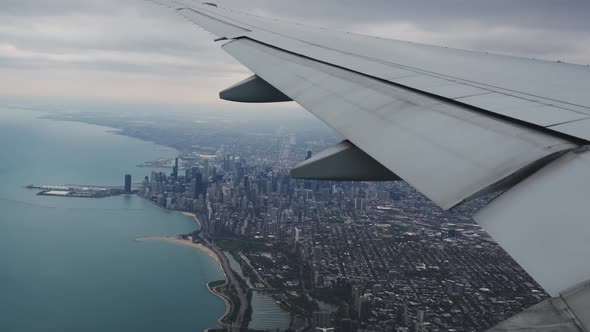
[[78, 191]]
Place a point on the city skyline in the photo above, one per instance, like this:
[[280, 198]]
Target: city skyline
[[333, 226]]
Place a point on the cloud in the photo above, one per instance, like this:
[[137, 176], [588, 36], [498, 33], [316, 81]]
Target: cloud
[[506, 39], [134, 50], [93, 56], [97, 84]]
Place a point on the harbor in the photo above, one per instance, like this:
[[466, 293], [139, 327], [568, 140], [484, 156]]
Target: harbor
[[78, 191]]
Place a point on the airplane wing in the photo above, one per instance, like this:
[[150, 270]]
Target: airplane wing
[[454, 124]]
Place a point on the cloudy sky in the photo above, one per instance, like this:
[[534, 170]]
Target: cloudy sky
[[134, 51]]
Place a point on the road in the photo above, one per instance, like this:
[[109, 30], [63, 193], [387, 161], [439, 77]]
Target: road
[[233, 280], [258, 276]]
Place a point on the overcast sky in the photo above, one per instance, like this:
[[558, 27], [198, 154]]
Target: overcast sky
[[134, 51]]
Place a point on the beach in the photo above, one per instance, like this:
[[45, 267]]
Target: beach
[[194, 216], [180, 241], [210, 252]]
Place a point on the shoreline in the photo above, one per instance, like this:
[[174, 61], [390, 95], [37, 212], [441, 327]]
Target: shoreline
[[226, 301], [204, 248], [54, 116], [180, 241], [186, 214], [177, 240], [195, 218]]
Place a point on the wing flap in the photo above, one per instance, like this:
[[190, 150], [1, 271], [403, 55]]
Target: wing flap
[[522, 109], [579, 129], [401, 129], [543, 223]]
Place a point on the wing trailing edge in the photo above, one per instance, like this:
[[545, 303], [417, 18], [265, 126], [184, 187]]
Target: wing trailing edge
[[543, 222], [447, 152]]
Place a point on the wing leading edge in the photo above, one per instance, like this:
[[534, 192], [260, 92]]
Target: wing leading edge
[[545, 94]]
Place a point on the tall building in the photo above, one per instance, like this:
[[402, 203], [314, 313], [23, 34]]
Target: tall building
[[357, 292], [308, 156], [227, 162], [175, 169], [364, 309], [321, 319], [406, 315], [239, 173], [128, 184], [420, 317], [145, 183], [206, 169], [197, 185], [212, 227], [348, 325], [297, 235]]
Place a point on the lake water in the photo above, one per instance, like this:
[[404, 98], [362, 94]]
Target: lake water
[[70, 264]]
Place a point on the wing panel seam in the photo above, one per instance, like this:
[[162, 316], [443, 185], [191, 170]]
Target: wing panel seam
[[214, 18], [499, 116]]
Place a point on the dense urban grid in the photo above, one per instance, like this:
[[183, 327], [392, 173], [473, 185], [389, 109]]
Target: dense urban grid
[[380, 252], [342, 255]]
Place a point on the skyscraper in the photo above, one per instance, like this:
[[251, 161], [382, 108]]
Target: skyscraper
[[364, 309], [227, 162], [193, 192], [348, 325], [175, 169], [128, 184], [321, 319], [357, 292], [197, 186], [205, 169]]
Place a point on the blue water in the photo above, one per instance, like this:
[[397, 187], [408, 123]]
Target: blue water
[[71, 264]]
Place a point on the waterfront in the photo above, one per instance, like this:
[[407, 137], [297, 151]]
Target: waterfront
[[305, 241], [74, 264], [267, 314]]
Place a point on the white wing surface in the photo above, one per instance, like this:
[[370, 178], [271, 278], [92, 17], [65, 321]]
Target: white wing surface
[[454, 124]]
